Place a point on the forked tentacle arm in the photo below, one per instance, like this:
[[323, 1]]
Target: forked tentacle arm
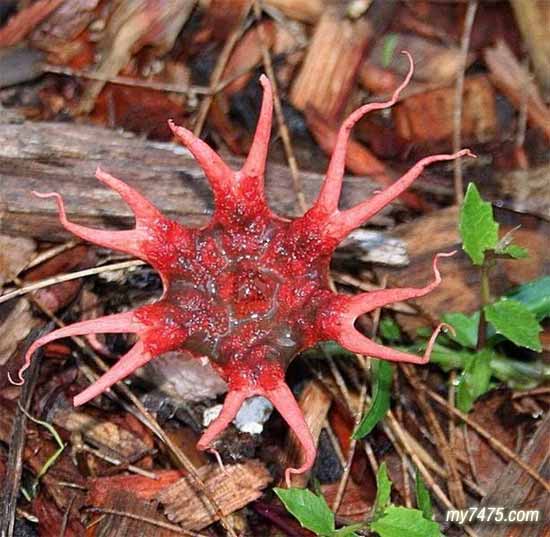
[[365, 302], [130, 241], [354, 341], [233, 402], [338, 323], [342, 223], [287, 406], [111, 324], [327, 202], [135, 358]]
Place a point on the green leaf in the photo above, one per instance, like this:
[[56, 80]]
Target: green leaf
[[381, 395], [474, 380], [383, 491], [535, 295], [389, 329], [423, 500], [515, 251], [400, 521], [466, 327], [311, 510], [478, 229], [388, 49], [515, 322]]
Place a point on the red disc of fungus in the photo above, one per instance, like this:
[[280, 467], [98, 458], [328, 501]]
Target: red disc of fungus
[[250, 290]]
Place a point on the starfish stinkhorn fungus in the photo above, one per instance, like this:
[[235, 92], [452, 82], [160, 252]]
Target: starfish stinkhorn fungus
[[251, 289]]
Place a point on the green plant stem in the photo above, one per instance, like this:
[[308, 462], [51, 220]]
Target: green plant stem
[[485, 296]]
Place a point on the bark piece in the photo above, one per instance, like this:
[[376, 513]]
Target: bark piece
[[533, 19], [15, 254], [428, 117], [103, 434], [326, 79], [528, 190], [510, 77], [302, 10], [134, 517], [183, 377], [516, 490], [459, 289], [63, 157], [16, 323], [232, 489]]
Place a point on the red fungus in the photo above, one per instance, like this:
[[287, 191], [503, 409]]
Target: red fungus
[[251, 289]]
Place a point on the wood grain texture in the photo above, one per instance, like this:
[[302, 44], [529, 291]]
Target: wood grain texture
[[515, 490], [63, 157]]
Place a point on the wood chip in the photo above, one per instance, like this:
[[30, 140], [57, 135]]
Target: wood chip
[[125, 515], [516, 490], [102, 434], [459, 290], [428, 116], [302, 10], [15, 254], [514, 81], [232, 489], [326, 79], [16, 322], [533, 19]]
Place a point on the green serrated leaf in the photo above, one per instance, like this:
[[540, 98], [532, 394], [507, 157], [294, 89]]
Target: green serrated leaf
[[400, 521], [515, 322], [515, 251], [466, 327], [381, 398], [474, 380], [423, 500], [478, 229], [310, 510], [383, 491], [389, 329]]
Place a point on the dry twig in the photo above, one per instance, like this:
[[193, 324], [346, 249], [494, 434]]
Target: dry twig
[[459, 90]]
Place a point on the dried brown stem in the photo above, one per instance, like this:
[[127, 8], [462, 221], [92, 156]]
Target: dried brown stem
[[456, 491], [496, 444], [158, 523], [459, 90], [70, 276], [217, 73]]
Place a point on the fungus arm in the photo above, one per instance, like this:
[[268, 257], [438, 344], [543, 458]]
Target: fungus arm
[[130, 241], [343, 222], [287, 406], [112, 324], [218, 173], [327, 202], [254, 165], [337, 320]]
